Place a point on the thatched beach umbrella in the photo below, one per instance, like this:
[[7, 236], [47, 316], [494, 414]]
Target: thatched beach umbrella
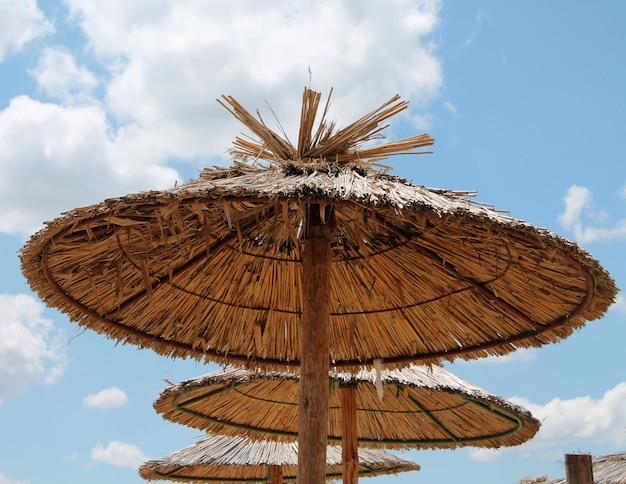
[[308, 255], [223, 459], [422, 407]]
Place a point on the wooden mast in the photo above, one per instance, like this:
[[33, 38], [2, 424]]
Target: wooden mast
[[349, 444], [315, 352]]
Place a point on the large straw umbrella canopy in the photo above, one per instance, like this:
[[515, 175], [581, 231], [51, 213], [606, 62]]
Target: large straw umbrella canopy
[[222, 459], [213, 268], [421, 407], [306, 255]]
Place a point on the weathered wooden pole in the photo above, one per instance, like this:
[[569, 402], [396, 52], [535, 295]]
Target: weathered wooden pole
[[314, 351], [349, 443], [578, 469], [276, 475]]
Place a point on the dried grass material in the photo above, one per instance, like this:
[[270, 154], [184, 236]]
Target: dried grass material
[[212, 269], [607, 469], [217, 458], [422, 407], [328, 144]]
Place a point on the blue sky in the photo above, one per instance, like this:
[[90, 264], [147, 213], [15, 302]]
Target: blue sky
[[98, 99]]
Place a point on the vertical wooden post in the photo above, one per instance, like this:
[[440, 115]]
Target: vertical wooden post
[[578, 469], [276, 475], [349, 442], [314, 351]]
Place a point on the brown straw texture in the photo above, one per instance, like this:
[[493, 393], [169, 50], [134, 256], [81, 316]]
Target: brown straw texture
[[212, 269], [422, 407]]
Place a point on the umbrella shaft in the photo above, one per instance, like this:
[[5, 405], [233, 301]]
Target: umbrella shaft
[[314, 350]]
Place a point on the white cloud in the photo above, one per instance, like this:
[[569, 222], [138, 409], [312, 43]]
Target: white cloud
[[118, 454], [6, 480], [58, 75], [484, 455], [105, 399], [581, 419], [522, 355], [20, 22], [174, 60], [30, 348], [165, 63], [579, 208], [620, 304], [55, 158], [576, 199]]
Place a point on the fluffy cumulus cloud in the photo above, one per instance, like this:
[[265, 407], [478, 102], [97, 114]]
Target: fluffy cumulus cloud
[[105, 399], [576, 421], [118, 454], [587, 223], [173, 59], [581, 419], [30, 348], [59, 76], [20, 22], [54, 158], [143, 94]]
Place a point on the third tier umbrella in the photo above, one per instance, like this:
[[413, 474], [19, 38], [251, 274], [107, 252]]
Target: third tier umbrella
[[222, 459]]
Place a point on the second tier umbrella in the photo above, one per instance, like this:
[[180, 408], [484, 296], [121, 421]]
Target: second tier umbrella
[[421, 407]]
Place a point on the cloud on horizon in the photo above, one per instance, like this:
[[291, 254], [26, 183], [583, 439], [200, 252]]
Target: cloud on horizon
[[580, 419], [575, 421]]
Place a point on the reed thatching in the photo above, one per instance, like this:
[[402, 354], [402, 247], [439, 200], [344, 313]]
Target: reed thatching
[[421, 407], [237, 459], [212, 269], [607, 469]]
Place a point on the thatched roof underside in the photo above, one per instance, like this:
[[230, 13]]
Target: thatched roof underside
[[607, 469], [212, 269], [421, 407], [226, 459]]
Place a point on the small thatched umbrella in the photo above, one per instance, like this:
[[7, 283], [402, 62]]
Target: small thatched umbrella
[[607, 469], [421, 407], [306, 256], [224, 459]]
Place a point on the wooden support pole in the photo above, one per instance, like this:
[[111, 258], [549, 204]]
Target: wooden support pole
[[578, 469], [349, 442], [276, 475], [314, 351]]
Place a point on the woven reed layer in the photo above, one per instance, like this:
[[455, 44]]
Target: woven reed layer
[[226, 459], [212, 269], [422, 407]]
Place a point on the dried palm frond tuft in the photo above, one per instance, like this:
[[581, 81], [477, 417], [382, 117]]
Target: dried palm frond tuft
[[327, 145]]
